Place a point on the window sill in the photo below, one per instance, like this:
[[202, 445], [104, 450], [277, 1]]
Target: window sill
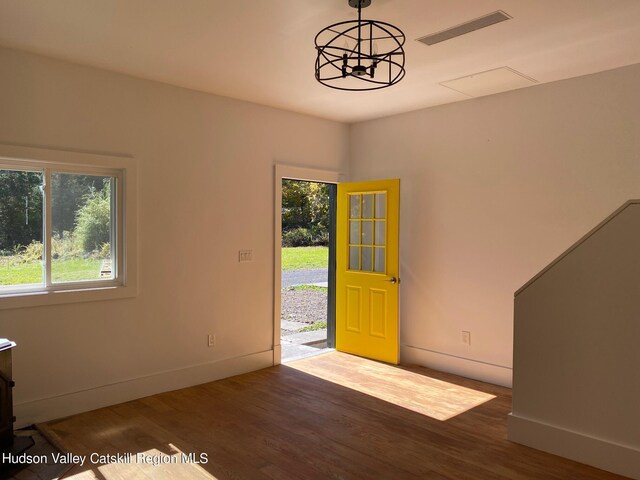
[[56, 297]]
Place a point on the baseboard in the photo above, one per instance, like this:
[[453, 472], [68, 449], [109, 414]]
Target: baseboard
[[600, 453], [486, 372], [42, 410], [277, 354]]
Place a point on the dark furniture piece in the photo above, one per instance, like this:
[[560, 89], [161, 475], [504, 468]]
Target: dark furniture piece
[[6, 397], [9, 443]]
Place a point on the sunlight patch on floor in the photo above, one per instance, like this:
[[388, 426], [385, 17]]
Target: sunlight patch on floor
[[155, 464], [428, 396], [149, 464]]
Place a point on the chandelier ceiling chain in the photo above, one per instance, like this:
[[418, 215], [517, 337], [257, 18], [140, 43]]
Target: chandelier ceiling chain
[[360, 54]]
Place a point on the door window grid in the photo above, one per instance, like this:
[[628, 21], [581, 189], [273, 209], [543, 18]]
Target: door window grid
[[367, 232]]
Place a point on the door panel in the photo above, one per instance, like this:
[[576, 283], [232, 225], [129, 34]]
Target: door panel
[[367, 267]]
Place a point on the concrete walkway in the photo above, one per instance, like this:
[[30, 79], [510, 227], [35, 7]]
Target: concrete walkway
[[296, 344], [311, 276], [306, 338], [291, 353], [303, 344]]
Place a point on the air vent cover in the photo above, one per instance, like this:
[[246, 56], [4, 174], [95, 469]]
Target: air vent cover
[[477, 24], [489, 82]]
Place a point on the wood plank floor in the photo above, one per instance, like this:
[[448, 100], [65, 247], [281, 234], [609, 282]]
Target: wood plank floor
[[420, 393], [294, 422]]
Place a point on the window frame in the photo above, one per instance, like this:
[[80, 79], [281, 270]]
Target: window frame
[[124, 226]]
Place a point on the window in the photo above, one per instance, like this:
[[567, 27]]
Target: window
[[63, 228], [367, 231]]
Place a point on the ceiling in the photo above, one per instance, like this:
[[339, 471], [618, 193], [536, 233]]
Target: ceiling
[[263, 51]]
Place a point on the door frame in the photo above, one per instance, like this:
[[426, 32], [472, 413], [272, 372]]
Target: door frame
[[289, 172]]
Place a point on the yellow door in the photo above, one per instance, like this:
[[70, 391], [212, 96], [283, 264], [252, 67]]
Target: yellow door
[[367, 269]]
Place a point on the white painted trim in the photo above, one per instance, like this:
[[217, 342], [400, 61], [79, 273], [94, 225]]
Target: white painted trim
[[465, 367], [294, 173], [45, 409], [598, 452], [277, 354], [125, 167]]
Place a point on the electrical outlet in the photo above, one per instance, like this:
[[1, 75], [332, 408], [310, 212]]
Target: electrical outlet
[[211, 340], [466, 337]]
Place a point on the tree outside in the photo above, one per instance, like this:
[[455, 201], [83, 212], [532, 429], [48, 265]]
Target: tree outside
[[305, 214], [20, 209]]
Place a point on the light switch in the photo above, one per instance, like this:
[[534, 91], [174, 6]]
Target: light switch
[[245, 255]]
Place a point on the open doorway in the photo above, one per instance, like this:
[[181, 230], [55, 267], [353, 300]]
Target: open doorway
[[363, 260], [333, 178], [307, 299]]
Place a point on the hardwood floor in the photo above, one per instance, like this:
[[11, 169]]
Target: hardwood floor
[[420, 393], [293, 422]]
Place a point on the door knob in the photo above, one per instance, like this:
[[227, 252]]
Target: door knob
[[393, 280]]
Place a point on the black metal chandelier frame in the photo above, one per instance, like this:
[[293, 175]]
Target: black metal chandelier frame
[[336, 62]]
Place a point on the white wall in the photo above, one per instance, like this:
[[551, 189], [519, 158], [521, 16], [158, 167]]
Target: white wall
[[492, 190], [576, 388], [205, 176]]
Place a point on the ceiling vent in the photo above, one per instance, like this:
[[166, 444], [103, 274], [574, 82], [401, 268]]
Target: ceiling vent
[[477, 24]]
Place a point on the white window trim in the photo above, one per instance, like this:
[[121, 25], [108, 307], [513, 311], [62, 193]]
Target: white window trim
[[124, 168]]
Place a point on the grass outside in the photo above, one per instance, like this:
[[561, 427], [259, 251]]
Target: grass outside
[[300, 258], [293, 258], [314, 326], [314, 288], [76, 269]]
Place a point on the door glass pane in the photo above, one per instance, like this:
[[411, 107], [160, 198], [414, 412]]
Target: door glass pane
[[81, 227], [380, 230], [367, 259], [354, 258], [379, 260], [367, 232], [354, 206], [354, 232], [367, 205], [381, 205], [21, 250]]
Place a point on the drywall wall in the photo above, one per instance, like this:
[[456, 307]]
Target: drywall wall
[[205, 191], [576, 388], [492, 190]]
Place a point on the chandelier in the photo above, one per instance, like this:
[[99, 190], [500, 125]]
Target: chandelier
[[360, 55]]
